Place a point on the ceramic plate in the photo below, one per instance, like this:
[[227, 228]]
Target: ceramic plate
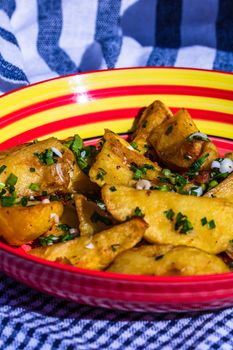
[[86, 104]]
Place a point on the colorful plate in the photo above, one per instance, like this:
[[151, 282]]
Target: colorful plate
[[86, 104]]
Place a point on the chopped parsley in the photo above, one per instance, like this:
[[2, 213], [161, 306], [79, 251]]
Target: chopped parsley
[[169, 214], [182, 224], [11, 180], [101, 173], [144, 124], [2, 168], [24, 201], [140, 171], [34, 187], [211, 225], [115, 247], [51, 239], [8, 201], [204, 221], [134, 145], [96, 217], [169, 130], [48, 157], [83, 154], [196, 166], [159, 257]]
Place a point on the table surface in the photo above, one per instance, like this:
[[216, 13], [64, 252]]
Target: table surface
[[44, 39]]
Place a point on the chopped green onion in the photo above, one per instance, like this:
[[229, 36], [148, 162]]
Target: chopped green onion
[[101, 173], [112, 189], [32, 170], [134, 145], [24, 201], [211, 224], [115, 247], [95, 217], [204, 221], [11, 180], [34, 187], [169, 214], [2, 168]]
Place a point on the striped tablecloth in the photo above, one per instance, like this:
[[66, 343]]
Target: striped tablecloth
[[42, 39]]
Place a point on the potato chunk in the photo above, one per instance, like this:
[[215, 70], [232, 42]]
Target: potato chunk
[[28, 163], [20, 225], [92, 219], [174, 148], [223, 190], [163, 260], [114, 163], [212, 236], [151, 117], [95, 252]]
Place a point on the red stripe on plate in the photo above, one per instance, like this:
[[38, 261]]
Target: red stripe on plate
[[92, 118], [113, 92], [69, 123]]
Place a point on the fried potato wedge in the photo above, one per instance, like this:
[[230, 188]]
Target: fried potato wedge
[[19, 225], [163, 260], [155, 204], [170, 142], [98, 252], [223, 190], [92, 219], [63, 175], [151, 117], [113, 164]]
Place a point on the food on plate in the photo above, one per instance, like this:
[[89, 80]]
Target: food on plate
[[157, 203], [174, 218], [98, 251], [165, 260], [20, 224]]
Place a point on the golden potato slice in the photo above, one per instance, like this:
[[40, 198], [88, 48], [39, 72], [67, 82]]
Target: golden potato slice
[[161, 211], [171, 142], [164, 260], [92, 219], [151, 117], [116, 160], [223, 190], [19, 225], [28, 163], [99, 251]]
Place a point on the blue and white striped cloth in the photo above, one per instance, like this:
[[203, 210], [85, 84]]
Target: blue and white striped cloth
[[42, 39]]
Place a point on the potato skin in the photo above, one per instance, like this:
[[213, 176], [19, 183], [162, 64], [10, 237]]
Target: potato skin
[[151, 117], [98, 251], [85, 209], [115, 159], [163, 260], [153, 204], [223, 190], [20, 225], [170, 143]]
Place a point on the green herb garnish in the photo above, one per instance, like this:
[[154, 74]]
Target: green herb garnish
[[112, 189], [101, 173], [32, 170], [115, 247], [204, 221], [169, 214], [24, 201], [96, 217], [169, 130], [2, 168], [34, 187], [141, 170], [196, 166], [182, 224], [158, 257], [211, 224], [11, 180]]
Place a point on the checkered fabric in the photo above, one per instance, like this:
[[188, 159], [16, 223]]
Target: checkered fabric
[[42, 39]]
